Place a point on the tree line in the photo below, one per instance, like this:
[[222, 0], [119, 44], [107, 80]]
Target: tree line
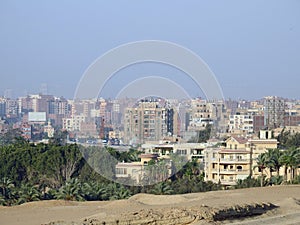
[[30, 172], [273, 160]]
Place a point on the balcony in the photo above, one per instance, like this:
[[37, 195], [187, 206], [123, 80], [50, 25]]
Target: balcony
[[228, 160], [243, 171], [214, 170], [228, 182], [234, 171], [224, 181], [228, 171]]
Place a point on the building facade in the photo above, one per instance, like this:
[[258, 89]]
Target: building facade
[[149, 121]]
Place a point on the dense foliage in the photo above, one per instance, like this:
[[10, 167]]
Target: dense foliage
[[273, 160], [30, 172], [57, 170]]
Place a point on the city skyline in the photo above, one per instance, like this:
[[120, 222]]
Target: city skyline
[[251, 48]]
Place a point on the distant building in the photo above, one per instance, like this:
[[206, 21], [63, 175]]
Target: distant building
[[49, 130], [26, 130], [274, 111], [203, 112], [149, 121], [37, 117], [240, 123], [258, 123], [12, 109], [2, 107]]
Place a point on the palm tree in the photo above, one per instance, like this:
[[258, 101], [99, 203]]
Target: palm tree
[[162, 188], [71, 191], [2, 200], [94, 191], [191, 169], [290, 158], [273, 160], [269, 162], [28, 193], [121, 193], [277, 180], [5, 186], [276, 160], [261, 164]]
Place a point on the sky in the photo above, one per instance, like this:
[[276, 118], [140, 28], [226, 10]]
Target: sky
[[252, 47]]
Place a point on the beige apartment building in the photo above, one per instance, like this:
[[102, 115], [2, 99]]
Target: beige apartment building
[[227, 165], [189, 150], [138, 172], [203, 112], [149, 121], [237, 159]]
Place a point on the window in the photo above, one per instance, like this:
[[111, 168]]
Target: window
[[181, 152], [121, 171]]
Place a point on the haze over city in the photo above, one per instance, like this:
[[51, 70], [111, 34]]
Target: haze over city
[[149, 112], [252, 47]]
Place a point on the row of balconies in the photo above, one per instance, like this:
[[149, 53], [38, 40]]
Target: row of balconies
[[225, 181], [230, 160], [230, 171]]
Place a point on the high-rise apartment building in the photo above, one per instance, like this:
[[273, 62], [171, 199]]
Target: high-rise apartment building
[[149, 121], [203, 112], [58, 106], [2, 107], [241, 123], [274, 111]]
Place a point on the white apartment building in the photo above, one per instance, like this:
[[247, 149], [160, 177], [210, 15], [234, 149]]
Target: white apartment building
[[240, 123]]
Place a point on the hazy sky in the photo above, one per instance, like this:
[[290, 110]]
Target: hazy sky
[[253, 47]]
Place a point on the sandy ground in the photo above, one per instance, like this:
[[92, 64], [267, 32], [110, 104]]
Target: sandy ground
[[43, 212]]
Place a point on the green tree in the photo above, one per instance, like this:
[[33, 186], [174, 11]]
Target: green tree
[[12, 136], [261, 164], [6, 185], [28, 193], [290, 159], [162, 188], [71, 191], [276, 160], [94, 191], [248, 183]]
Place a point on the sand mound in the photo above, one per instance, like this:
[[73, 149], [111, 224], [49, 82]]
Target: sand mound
[[49, 203], [170, 209], [149, 199]]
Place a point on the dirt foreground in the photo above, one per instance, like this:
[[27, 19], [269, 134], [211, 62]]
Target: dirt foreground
[[268, 205]]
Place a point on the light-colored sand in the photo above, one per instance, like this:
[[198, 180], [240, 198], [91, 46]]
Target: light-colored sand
[[36, 213]]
